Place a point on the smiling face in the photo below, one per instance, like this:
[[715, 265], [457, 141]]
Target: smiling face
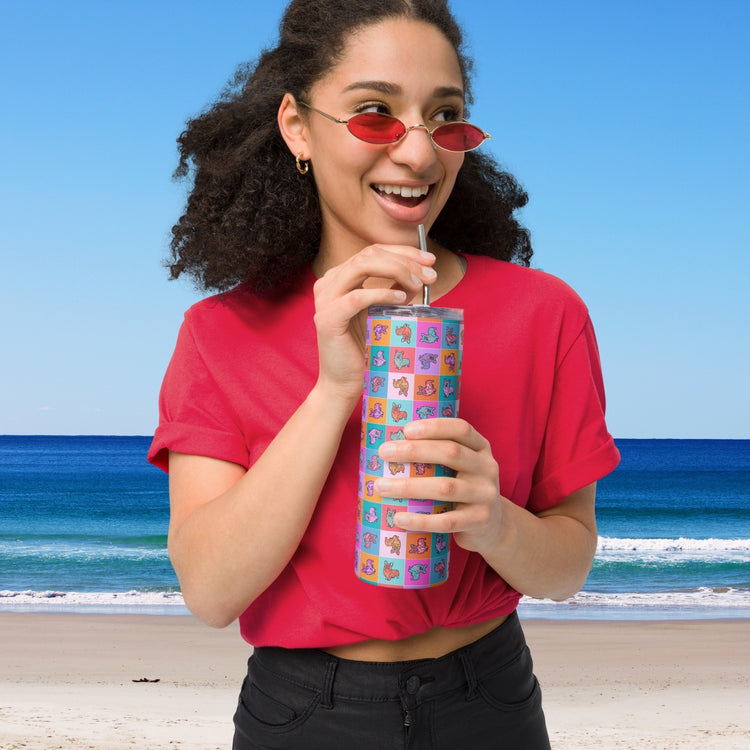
[[380, 193]]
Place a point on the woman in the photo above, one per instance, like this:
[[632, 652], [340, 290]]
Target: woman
[[308, 213]]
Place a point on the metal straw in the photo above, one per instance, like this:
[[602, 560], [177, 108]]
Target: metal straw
[[423, 248]]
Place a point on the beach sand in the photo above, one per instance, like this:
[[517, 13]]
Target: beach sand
[[66, 681]]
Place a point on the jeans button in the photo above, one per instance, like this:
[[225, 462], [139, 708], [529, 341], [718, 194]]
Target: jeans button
[[412, 684]]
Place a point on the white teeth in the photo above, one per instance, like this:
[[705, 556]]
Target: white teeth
[[403, 191]]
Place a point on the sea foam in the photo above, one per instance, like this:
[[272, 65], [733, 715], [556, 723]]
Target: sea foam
[[148, 602]]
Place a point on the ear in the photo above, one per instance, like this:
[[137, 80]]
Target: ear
[[293, 128]]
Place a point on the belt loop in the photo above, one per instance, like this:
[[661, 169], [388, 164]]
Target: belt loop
[[471, 675], [327, 690]]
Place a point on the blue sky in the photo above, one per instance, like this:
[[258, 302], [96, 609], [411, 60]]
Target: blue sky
[[627, 123]]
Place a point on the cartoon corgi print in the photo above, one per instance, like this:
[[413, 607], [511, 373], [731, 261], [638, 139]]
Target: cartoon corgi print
[[400, 360], [430, 337], [420, 547], [398, 413], [427, 360], [374, 435], [405, 333], [377, 411], [379, 331], [389, 572], [376, 383], [402, 384], [394, 542], [379, 359], [428, 389], [369, 567], [415, 571], [387, 405]]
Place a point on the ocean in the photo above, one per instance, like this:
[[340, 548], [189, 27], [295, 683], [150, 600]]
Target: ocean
[[83, 528]]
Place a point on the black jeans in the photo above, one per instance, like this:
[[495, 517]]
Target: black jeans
[[481, 696]]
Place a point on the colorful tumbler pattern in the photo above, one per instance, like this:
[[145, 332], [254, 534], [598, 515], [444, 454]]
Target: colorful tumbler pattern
[[413, 371]]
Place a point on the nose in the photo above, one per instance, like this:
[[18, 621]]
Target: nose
[[415, 149]]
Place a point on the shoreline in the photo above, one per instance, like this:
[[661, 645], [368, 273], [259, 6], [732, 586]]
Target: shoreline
[[74, 682], [546, 613], [726, 603]]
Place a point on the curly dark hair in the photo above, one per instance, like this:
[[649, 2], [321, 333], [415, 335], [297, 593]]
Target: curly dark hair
[[249, 208]]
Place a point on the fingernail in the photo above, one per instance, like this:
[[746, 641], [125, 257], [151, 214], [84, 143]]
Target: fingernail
[[382, 485], [429, 273], [387, 450], [412, 429], [401, 520]]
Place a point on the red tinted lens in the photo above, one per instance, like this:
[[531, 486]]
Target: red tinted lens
[[374, 127], [458, 136]]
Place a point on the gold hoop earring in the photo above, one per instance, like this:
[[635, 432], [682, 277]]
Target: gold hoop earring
[[303, 166]]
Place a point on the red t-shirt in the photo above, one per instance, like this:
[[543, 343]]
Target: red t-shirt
[[531, 385]]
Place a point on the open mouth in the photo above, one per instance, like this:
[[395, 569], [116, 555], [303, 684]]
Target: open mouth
[[403, 195]]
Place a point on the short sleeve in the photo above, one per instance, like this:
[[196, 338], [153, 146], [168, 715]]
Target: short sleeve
[[195, 416], [577, 448]]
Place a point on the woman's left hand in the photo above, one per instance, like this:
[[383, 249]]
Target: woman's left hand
[[477, 516]]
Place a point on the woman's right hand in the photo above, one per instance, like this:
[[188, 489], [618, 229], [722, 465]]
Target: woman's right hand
[[227, 541], [377, 275]]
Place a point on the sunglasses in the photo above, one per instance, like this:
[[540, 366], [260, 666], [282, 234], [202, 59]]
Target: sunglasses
[[375, 127]]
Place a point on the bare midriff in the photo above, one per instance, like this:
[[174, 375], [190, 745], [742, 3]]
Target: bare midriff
[[431, 644]]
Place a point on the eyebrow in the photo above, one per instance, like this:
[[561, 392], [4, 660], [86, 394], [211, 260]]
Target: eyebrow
[[392, 89]]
